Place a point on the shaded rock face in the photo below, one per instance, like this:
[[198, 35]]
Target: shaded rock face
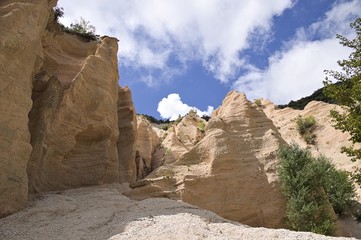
[[147, 143], [231, 171], [61, 107], [73, 122], [127, 124], [22, 24]]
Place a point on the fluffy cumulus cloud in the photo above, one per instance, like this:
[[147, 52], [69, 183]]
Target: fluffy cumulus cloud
[[297, 70], [172, 106], [155, 33]]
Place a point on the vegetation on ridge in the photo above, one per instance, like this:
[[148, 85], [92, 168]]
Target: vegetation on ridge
[[300, 104], [311, 185], [82, 27]]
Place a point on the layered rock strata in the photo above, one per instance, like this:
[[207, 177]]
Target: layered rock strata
[[127, 125], [231, 171], [74, 122], [179, 139], [22, 25], [61, 106], [148, 141], [328, 139]]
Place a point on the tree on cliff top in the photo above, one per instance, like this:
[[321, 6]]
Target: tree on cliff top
[[83, 26], [347, 92]]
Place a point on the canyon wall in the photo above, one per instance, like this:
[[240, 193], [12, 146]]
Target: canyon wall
[[73, 122], [66, 123], [62, 108], [127, 125], [22, 26]]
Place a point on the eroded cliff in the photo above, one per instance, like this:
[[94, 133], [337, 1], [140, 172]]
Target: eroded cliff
[[62, 108], [66, 123], [22, 26], [230, 171], [74, 121], [127, 125]]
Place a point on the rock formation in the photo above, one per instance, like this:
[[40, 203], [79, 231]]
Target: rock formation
[[127, 124], [62, 107], [328, 140], [66, 123], [73, 122], [231, 171], [22, 26], [148, 141], [179, 140]]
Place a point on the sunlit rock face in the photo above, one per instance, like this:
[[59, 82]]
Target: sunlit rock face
[[231, 171]]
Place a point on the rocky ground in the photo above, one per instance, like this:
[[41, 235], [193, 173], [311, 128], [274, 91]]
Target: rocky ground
[[104, 213]]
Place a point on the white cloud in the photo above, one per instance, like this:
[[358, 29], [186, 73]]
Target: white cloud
[[297, 70], [151, 32], [172, 106]]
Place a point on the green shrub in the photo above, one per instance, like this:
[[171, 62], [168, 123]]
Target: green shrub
[[165, 126], [192, 113], [258, 102], [201, 126], [337, 184], [305, 127], [310, 185], [83, 28]]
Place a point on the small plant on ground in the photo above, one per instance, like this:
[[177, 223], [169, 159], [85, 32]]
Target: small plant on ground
[[305, 127], [310, 185], [192, 113], [165, 126], [201, 126], [167, 151], [258, 102]]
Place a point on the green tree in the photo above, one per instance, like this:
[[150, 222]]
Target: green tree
[[310, 185], [346, 91], [58, 13], [83, 26]]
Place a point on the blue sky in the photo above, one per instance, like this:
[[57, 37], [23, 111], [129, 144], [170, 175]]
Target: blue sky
[[177, 55]]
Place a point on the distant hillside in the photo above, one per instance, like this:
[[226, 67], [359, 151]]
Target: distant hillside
[[160, 121], [153, 119], [300, 104]]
